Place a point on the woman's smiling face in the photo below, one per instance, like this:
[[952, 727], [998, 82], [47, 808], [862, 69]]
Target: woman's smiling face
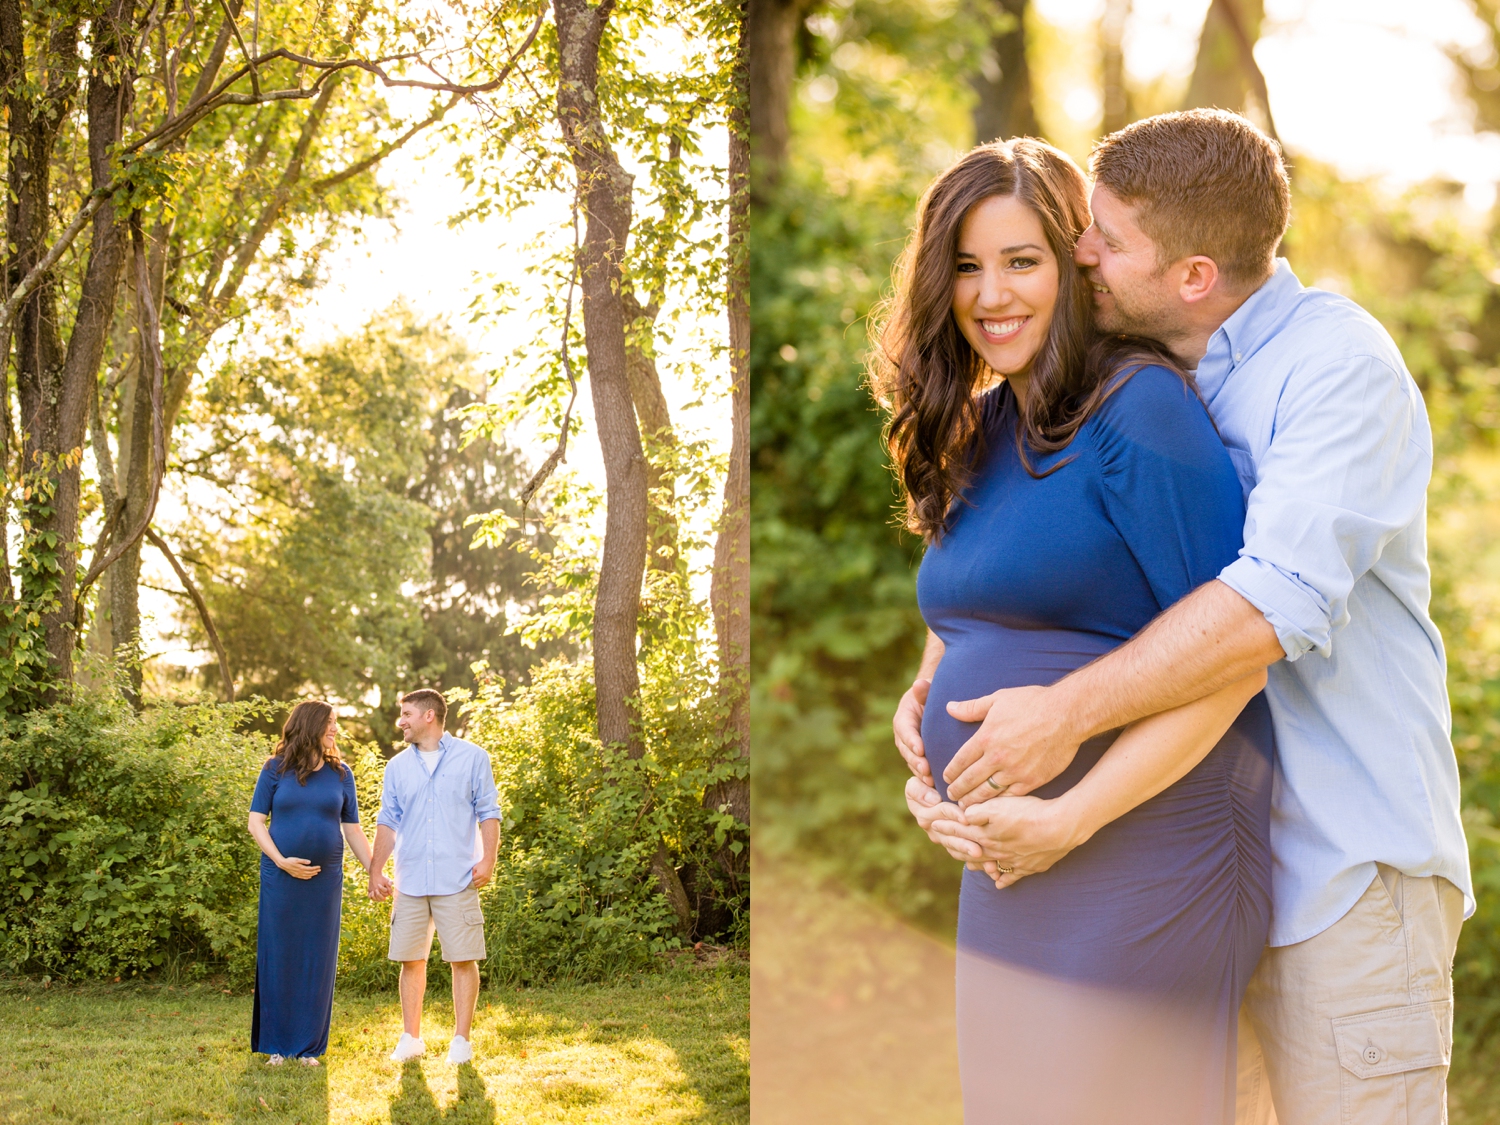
[[1005, 284]]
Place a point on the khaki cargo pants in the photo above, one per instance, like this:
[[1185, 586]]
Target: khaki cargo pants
[[1355, 1025]]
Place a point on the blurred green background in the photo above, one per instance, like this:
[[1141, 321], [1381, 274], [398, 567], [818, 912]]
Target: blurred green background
[[860, 103]]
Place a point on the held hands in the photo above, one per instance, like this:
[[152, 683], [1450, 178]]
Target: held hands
[[298, 868], [380, 886], [1022, 742]]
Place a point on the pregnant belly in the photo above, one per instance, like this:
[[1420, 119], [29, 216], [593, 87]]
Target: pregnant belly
[[980, 658], [321, 844]]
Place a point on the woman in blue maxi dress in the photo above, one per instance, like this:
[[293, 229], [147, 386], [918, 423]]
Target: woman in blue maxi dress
[[1106, 988], [303, 811]]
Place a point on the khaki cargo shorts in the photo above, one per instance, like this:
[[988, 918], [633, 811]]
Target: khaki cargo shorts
[[457, 919]]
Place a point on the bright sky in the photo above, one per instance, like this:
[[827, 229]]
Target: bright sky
[[1363, 84]]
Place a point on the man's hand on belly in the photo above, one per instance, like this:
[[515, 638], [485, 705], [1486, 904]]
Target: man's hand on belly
[[907, 728], [1023, 742]]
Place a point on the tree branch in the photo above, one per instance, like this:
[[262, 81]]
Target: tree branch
[[202, 607]]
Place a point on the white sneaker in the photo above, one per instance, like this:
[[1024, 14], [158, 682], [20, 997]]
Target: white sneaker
[[409, 1047], [459, 1051]]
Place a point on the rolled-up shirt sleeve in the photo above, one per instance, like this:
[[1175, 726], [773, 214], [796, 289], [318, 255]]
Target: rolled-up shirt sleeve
[[390, 802], [1346, 470], [486, 796]]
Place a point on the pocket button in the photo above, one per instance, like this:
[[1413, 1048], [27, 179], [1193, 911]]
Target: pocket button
[[1372, 1053]]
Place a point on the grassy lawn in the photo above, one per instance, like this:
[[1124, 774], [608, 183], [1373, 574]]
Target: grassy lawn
[[669, 1047]]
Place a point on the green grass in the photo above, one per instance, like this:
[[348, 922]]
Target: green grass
[[667, 1047]]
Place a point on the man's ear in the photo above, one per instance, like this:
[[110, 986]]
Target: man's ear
[[1199, 277]]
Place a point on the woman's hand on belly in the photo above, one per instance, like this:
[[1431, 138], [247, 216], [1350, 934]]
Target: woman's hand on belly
[[1011, 837], [930, 809]]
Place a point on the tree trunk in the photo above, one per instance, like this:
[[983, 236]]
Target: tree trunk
[[1117, 110], [1003, 85], [771, 34], [658, 439], [55, 384], [604, 196], [730, 590], [1226, 74]]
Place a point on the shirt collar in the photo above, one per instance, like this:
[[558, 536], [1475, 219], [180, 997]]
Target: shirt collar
[[1248, 327]]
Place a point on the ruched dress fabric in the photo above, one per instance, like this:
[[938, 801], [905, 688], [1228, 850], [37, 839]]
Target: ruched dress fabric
[[1106, 988], [297, 941]]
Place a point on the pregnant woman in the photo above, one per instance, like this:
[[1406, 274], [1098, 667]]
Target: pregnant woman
[[303, 811], [1070, 488]]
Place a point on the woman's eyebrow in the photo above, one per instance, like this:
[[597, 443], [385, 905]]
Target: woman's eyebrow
[[1022, 246]]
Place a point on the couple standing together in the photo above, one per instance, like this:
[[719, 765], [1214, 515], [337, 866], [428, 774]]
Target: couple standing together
[[439, 814], [1182, 710]]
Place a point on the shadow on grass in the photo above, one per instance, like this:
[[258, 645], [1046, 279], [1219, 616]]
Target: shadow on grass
[[415, 1105], [290, 1093]]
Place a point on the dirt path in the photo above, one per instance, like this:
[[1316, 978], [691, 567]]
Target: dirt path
[[851, 1011]]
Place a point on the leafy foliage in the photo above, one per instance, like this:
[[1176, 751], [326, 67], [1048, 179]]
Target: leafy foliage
[[344, 565], [122, 839]]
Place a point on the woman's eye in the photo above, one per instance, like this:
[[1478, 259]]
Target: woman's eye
[[968, 267], [1022, 263]]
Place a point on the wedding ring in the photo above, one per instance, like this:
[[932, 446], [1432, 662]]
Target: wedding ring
[[1004, 870], [996, 788]]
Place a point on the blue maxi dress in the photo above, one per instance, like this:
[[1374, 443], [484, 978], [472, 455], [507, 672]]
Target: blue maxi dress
[[1107, 988], [297, 941]]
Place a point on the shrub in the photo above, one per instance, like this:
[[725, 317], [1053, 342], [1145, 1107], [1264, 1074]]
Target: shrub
[[574, 894], [122, 839]]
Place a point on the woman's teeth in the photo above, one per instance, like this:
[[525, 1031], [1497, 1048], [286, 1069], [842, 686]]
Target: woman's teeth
[[1003, 327]]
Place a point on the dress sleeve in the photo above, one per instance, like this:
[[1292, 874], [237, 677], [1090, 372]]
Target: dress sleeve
[[1169, 487], [350, 812], [265, 789]]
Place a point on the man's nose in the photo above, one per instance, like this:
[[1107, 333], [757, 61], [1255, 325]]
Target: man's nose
[[1085, 253]]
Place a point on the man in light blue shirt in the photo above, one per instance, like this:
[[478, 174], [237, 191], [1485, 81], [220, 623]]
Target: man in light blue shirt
[[1349, 1015], [440, 813]]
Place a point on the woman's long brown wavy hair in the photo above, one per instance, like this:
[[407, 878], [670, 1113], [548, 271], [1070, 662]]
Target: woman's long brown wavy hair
[[301, 747], [925, 373]]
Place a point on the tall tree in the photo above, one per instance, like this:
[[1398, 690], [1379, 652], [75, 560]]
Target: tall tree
[[730, 590], [1003, 84], [1226, 74], [771, 28], [135, 134], [1117, 109], [604, 197]]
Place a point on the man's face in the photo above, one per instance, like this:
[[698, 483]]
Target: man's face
[[1133, 294], [415, 721]]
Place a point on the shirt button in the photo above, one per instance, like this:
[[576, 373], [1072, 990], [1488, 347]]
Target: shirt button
[[1236, 357]]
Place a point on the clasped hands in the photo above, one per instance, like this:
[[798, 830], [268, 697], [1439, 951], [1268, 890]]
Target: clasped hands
[[989, 823]]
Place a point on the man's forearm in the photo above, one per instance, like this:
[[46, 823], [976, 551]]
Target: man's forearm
[[385, 844], [489, 837], [1208, 640]]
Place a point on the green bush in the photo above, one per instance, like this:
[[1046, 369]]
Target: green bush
[[574, 894], [123, 842], [123, 839]]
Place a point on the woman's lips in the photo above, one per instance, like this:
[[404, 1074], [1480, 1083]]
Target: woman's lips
[[1001, 331]]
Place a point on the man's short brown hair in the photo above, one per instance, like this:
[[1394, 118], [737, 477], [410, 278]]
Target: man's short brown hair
[[1203, 181], [428, 700]]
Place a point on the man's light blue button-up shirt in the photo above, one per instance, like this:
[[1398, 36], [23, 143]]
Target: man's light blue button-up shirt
[[1330, 438], [436, 818]]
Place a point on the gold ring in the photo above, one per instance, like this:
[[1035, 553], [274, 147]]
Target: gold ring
[[991, 781], [1004, 870]]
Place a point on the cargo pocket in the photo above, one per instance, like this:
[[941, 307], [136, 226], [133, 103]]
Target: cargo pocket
[[1394, 1063]]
